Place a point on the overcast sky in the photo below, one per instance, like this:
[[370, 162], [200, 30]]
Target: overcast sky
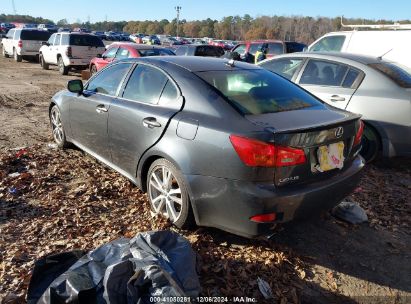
[[99, 10]]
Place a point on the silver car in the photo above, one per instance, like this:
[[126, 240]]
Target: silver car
[[378, 89]]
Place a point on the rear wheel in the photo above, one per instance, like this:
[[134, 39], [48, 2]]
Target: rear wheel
[[43, 64], [93, 70], [17, 57], [168, 194], [370, 144], [5, 55], [57, 126], [62, 68]]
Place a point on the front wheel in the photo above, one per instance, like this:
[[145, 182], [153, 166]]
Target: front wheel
[[17, 57], [168, 194], [5, 55], [370, 144], [57, 127], [62, 68]]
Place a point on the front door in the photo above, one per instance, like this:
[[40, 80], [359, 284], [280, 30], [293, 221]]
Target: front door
[[90, 110], [138, 119]]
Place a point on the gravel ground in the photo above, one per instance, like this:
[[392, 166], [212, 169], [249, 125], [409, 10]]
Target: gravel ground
[[65, 199]]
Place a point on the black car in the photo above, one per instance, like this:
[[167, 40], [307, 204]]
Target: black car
[[200, 50], [214, 142]]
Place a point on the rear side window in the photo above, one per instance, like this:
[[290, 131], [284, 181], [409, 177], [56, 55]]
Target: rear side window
[[285, 67], [259, 91], [10, 34], [35, 35], [275, 48], [396, 73], [329, 44], [58, 39], [65, 39], [122, 54], [86, 40], [349, 80], [169, 94], [145, 85], [209, 51], [108, 80], [324, 73], [156, 52]]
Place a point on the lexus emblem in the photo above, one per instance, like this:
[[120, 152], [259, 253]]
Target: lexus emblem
[[339, 132]]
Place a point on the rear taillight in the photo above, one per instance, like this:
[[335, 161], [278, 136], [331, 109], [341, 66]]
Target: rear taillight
[[20, 44], [68, 51], [358, 136], [263, 218], [255, 153]]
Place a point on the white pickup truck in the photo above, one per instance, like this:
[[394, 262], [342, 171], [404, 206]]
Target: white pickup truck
[[70, 50], [23, 43]]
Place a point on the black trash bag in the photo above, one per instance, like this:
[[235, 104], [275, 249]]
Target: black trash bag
[[350, 212], [157, 263]]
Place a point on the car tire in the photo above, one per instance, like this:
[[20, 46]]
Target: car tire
[[370, 143], [93, 70], [58, 132], [5, 55], [17, 57], [43, 64], [62, 68], [167, 193]]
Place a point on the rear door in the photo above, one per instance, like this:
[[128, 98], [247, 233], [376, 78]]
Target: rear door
[[47, 50], [138, 119], [86, 47], [8, 43], [332, 82], [33, 39], [90, 110]]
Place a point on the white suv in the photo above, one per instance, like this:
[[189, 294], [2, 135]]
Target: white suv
[[25, 43], [70, 50]]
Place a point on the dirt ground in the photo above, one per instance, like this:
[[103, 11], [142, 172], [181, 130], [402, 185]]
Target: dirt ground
[[67, 200]]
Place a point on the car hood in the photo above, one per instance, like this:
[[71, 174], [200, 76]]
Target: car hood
[[297, 120]]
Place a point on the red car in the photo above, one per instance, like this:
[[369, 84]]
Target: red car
[[122, 50], [275, 47]]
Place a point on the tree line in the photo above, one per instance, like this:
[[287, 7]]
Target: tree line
[[293, 28]]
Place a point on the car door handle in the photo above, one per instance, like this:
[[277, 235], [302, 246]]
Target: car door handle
[[337, 98], [151, 122], [101, 109]]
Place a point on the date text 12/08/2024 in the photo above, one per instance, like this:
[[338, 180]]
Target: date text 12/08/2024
[[203, 300]]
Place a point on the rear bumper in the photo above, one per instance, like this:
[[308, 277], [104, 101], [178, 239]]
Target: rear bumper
[[27, 53], [228, 204], [76, 62]]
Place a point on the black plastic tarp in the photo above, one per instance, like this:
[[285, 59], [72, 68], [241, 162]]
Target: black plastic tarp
[[153, 264]]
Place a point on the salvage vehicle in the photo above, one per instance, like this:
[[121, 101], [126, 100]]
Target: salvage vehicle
[[122, 50], [23, 43], [214, 142], [70, 50], [377, 89]]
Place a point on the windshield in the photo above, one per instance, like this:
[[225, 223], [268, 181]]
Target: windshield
[[86, 40], [156, 52], [259, 91], [400, 75]]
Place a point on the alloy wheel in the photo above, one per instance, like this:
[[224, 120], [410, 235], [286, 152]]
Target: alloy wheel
[[165, 193], [58, 132]]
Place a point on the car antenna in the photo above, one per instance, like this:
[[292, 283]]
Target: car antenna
[[380, 57], [230, 63]]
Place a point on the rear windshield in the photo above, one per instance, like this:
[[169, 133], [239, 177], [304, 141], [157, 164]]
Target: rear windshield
[[156, 52], [209, 51], [259, 91], [86, 40], [396, 73], [35, 35]]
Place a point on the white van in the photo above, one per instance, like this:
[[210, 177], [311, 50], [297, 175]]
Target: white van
[[392, 45]]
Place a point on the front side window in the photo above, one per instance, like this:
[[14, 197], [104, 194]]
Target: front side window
[[259, 91], [329, 44], [145, 85], [110, 53], [122, 54], [285, 67], [108, 81], [51, 39], [181, 51], [240, 49], [324, 73], [254, 48]]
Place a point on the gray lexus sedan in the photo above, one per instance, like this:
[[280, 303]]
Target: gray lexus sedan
[[213, 142]]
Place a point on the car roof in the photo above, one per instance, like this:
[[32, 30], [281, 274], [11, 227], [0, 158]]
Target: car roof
[[137, 46], [196, 64], [364, 59]]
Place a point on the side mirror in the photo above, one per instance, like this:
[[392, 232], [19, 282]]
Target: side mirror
[[75, 86], [99, 56]]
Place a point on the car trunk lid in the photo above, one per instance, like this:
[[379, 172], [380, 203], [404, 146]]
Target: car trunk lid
[[326, 137]]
